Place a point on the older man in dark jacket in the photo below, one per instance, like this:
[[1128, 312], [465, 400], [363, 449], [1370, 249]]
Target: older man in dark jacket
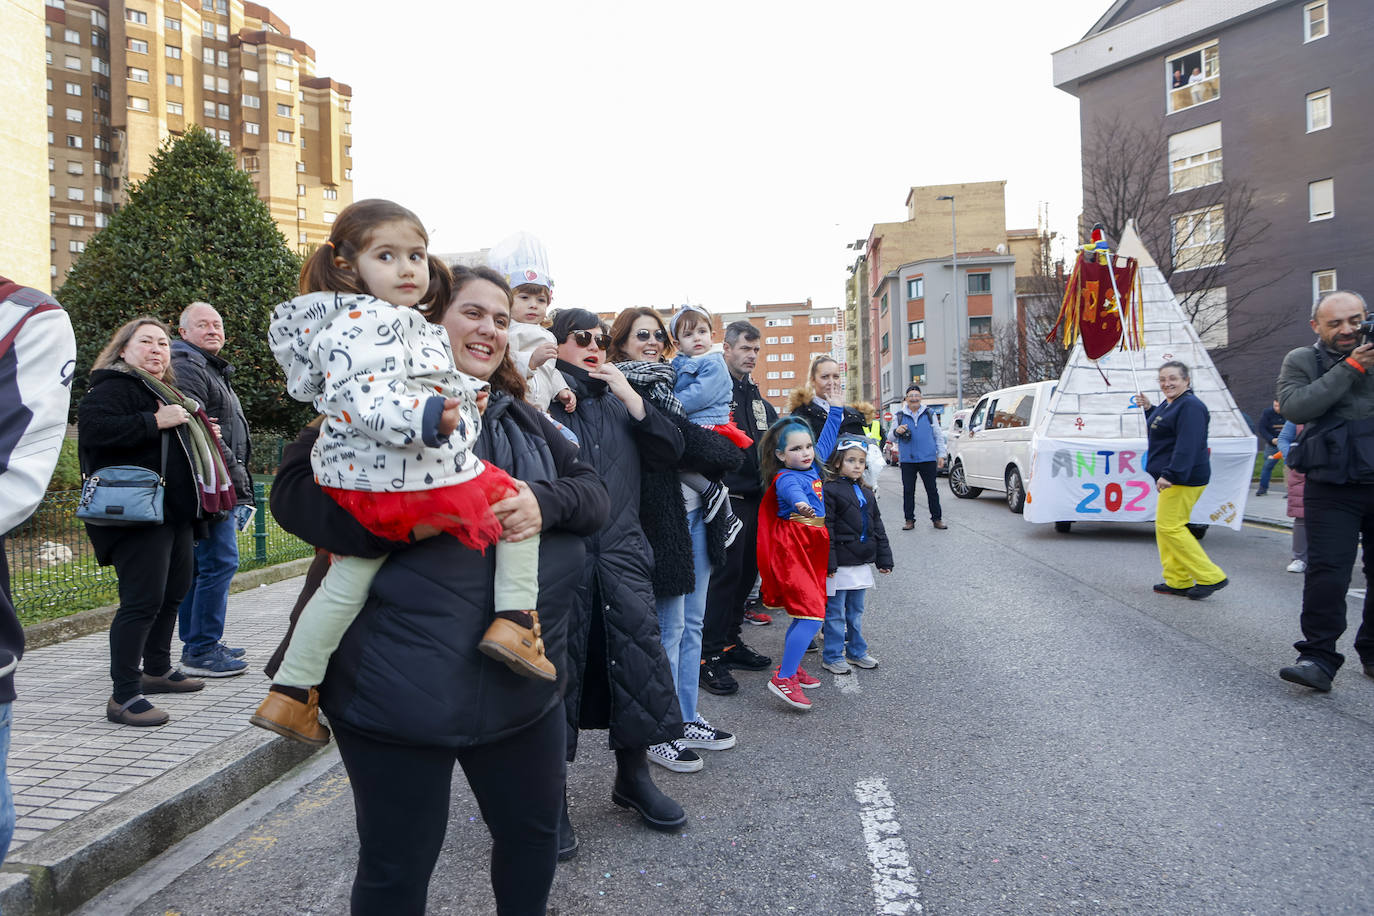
[[203, 375]]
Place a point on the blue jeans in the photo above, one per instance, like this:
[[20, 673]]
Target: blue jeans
[[201, 615], [843, 613], [680, 620], [1266, 471], [6, 796]]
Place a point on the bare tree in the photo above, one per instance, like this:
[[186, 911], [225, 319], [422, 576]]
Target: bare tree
[[1201, 231]]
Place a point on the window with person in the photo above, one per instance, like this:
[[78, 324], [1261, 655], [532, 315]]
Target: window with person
[[1193, 76]]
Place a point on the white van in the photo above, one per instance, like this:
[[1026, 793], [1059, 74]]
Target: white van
[[994, 451]]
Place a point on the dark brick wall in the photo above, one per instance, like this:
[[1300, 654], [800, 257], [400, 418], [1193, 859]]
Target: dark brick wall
[[1266, 71]]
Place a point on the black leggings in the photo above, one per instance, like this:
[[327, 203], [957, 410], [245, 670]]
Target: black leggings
[[401, 803], [154, 567]]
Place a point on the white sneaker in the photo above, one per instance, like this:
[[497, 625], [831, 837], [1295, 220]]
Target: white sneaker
[[839, 667], [706, 736], [1297, 566], [673, 756], [867, 661]]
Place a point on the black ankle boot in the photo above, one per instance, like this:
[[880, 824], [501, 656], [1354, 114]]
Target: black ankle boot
[[634, 789], [567, 838]]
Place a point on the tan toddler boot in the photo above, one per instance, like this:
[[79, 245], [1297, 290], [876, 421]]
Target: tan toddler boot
[[513, 638], [291, 718]]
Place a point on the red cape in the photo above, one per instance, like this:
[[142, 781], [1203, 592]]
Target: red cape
[[793, 557]]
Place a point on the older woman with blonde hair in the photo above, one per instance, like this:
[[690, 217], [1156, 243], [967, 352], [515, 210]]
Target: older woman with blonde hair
[[133, 415]]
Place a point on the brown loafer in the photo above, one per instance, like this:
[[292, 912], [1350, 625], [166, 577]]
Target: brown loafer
[[520, 648], [940, 523], [171, 682], [120, 714], [291, 718], [909, 525]]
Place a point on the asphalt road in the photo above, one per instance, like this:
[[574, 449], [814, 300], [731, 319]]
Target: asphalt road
[[1044, 735]]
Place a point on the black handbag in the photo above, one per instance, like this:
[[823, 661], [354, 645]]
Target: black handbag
[[123, 495]]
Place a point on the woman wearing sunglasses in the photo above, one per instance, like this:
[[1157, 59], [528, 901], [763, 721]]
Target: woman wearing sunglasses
[[618, 675], [673, 515]]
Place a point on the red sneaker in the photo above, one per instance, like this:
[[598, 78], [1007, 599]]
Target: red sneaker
[[805, 679], [758, 618], [789, 691]]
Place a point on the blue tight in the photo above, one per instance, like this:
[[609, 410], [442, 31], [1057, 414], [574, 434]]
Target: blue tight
[[799, 635]]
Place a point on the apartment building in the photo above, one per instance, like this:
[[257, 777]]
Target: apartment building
[[123, 75], [793, 334], [1268, 95], [23, 148]]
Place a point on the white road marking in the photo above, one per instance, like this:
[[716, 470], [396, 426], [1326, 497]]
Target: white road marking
[[895, 890], [847, 683]]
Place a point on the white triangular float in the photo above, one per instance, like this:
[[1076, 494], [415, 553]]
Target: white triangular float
[[1088, 452]]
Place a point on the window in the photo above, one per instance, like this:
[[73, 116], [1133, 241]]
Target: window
[[1012, 412], [916, 288], [300, 166], [918, 373], [76, 194], [330, 217], [98, 168], [284, 57], [980, 370], [250, 163], [72, 63], [138, 46], [100, 66], [73, 89], [207, 82], [1314, 23], [300, 190], [74, 142], [884, 341], [883, 309], [916, 330], [768, 323], [979, 326], [283, 111], [207, 56], [174, 79], [222, 111], [1199, 238], [208, 109], [138, 75], [222, 58], [785, 340], [1195, 157], [222, 84], [52, 112], [251, 101], [1323, 281], [76, 247], [221, 33], [787, 357], [1193, 77], [773, 375], [775, 392], [300, 213], [71, 36], [1209, 317], [138, 104], [250, 127], [136, 17], [770, 340], [100, 220], [979, 284], [821, 319], [330, 194], [51, 166], [75, 168], [250, 76], [171, 25], [207, 30], [1321, 199], [283, 84], [284, 136], [789, 374], [771, 357], [815, 338], [174, 108], [74, 114], [348, 174], [173, 52], [1318, 110]]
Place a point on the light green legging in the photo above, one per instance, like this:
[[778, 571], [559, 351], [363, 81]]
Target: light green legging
[[333, 608]]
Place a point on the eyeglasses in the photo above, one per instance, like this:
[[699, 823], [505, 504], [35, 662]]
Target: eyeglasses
[[585, 338], [645, 334]]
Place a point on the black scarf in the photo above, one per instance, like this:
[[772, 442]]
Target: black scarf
[[654, 381]]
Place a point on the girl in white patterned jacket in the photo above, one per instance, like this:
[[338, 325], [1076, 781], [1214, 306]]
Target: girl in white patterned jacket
[[395, 448]]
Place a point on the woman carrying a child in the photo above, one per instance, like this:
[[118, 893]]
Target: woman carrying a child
[[407, 692], [685, 545]]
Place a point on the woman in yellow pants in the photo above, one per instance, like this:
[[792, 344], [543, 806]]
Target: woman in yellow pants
[[1178, 461]]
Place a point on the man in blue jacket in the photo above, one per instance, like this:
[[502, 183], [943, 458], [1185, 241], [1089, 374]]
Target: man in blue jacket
[[920, 450]]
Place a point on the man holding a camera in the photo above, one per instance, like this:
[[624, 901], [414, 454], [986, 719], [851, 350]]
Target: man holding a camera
[[1329, 388]]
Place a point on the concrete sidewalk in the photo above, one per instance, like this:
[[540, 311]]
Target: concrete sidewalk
[[96, 800], [1271, 508]]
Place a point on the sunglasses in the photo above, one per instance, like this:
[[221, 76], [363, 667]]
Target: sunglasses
[[643, 334], [585, 338]]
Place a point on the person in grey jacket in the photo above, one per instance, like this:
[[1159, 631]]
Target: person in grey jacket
[[202, 374], [1328, 387]]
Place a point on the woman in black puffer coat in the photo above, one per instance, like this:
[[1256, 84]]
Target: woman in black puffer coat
[[619, 676], [407, 692], [818, 404]]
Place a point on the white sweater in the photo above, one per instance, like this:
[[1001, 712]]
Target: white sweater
[[544, 382], [379, 374]]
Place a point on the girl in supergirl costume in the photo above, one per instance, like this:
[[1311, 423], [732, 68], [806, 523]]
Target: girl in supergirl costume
[[793, 549], [395, 448]]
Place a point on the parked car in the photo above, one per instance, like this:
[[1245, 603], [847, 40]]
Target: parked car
[[993, 449]]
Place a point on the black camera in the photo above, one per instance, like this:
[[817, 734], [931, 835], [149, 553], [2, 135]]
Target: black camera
[[1367, 329]]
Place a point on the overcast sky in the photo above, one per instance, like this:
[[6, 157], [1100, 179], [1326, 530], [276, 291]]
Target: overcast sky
[[715, 152]]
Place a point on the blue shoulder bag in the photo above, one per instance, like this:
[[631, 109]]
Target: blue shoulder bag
[[123, 495]]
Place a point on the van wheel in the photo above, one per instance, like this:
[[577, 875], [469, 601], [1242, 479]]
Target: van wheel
[[1016, 491], [1198, 531], [958, 483], [1063, 527]]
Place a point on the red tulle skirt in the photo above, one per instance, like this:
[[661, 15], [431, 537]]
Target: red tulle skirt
[[733, 433], [462, 510], [793, 558]]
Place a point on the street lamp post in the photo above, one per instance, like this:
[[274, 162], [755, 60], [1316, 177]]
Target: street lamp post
[[958, 333]]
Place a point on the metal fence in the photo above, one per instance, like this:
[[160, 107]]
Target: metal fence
[[53, 571]]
